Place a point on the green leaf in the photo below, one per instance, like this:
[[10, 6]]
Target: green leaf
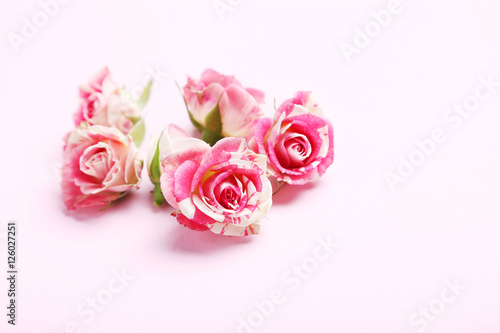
[[277, 186], [154, 175], [138, 132], [196, 124], [213, 126], [135, 120], [159, 199], [210, 137], [213, 121], [145, 95], [155, 171]]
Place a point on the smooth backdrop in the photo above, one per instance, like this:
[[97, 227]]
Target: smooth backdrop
[[398, 249]]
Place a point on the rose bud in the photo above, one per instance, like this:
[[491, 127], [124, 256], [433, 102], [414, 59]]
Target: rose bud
[[103, 102], [219, 106]]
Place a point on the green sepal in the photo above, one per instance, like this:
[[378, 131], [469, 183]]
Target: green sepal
[[196, 124], [135, 120], [213, 121], [145, 95], [213, 126], [138, 132], [159, 199], [154, 169], [210, 137]]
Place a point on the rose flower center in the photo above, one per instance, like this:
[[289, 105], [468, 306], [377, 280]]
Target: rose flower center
[[293, 150], [228, 193], [229, 198], [96, 162]]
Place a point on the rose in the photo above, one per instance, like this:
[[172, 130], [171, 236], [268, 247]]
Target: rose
[[298, 142], [100, 166], [104, 103], [219, 106], [223, 189]]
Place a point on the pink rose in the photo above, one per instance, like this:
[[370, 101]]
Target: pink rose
[[219, 106], [298, 142], [223, 189], [100, 166], [104, 103]]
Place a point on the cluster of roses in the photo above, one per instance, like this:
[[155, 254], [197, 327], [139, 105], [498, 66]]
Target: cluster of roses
[[223, 182]]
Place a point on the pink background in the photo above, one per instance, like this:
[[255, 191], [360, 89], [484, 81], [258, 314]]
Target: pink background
[[397, 248]]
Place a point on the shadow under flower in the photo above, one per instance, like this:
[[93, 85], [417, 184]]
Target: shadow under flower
[[182, 239], [290, 193], [93, 213]]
